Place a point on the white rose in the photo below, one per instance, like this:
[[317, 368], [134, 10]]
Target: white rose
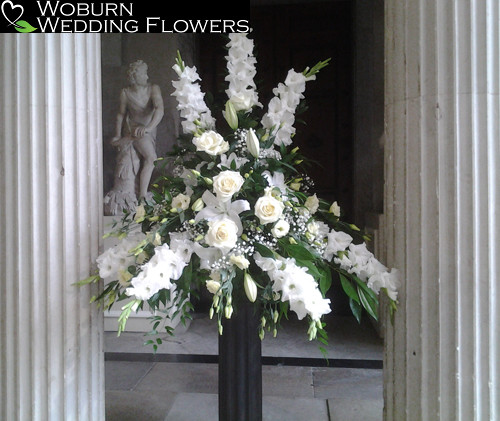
[[227, 183], [211, 142], [268, 209], [280, 229], [312, 204], [222, 234], [181, 201], [239, 261]]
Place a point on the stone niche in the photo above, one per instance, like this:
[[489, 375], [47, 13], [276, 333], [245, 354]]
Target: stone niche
[[158, 51]]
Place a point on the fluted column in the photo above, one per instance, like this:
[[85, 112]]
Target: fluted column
[[442, 207], [51, 359]]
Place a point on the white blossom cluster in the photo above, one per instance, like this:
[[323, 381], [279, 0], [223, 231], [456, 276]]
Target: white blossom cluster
[[280, 117], [295, 285], [241, 89], [357, 259], [190, 100], [227, 215]]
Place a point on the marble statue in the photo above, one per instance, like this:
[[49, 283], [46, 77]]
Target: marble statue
[[140, 111]]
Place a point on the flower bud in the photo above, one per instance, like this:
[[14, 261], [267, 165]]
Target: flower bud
[[253, 143], [196, 173], [275, 317], [335, 209], [231, 116], [228, 311], [250, 287], [211, 313], [198, 205]]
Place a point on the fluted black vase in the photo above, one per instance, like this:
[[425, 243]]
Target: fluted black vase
[[240, 366]]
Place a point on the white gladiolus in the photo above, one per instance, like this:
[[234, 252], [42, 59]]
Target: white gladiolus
[[337, 241], [157, 273], [190, 100], [241, 89]]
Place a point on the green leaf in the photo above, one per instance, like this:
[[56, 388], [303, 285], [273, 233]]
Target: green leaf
[[370, 304], [90, 280], [23, 26], [356, 309], [349, 288], [297, 251], [263, 250]]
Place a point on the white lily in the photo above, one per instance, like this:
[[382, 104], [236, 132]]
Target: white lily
[[217, 209]]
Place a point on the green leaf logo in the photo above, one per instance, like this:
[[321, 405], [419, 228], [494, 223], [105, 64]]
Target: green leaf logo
[[23, 26]]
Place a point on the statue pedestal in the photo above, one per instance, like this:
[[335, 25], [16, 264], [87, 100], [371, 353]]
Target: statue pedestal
[[240, 367]]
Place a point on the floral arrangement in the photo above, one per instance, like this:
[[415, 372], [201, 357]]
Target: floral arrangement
[[238, 216]]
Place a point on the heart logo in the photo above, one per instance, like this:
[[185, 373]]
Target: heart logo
[[9, 10]]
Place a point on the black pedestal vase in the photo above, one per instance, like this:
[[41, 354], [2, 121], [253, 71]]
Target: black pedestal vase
[[240, 366]]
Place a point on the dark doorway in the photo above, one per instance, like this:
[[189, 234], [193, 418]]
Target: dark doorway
[[297, 36]]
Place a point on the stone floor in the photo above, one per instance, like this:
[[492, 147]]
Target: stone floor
[[179, 382]]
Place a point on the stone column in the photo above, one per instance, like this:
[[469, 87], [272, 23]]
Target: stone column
[[51, 363], [442, 204]]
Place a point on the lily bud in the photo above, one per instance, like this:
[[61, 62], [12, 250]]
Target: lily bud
[[231, 116], [253, 143], [198, 205], [250, 287], [228, 311], [196, 173]]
